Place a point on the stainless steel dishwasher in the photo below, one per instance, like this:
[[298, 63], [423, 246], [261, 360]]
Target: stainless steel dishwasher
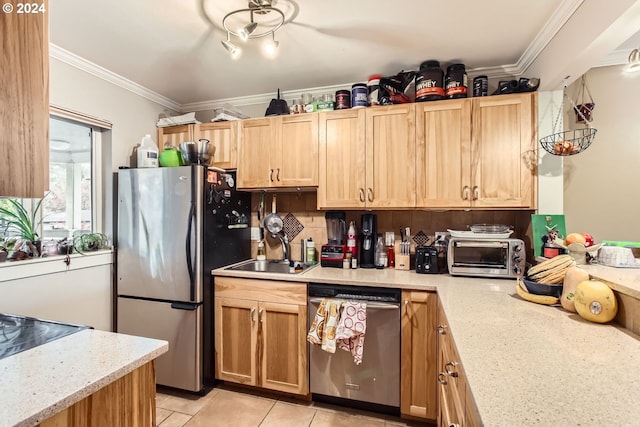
[[377, 379]]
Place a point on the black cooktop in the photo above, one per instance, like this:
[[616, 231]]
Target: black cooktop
[[20, 333]]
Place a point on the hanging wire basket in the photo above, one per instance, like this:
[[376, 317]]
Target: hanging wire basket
[[569, 142]]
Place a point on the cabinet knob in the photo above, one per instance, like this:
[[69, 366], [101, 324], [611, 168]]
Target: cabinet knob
[[271, 175], [361, 193], [278, 174], [262, 320], [370, 194], [476, 192], [441, 329], [253, 314], [442, 378]]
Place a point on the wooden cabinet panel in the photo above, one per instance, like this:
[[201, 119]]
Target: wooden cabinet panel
[[342, 160], [390, 154], [503, 151], [278, 152], [224, 137], [443, 148], [283, 356], [129, 401], [236, 340], [418, 392], [173, 136], [24, 112], [261, 333], [256, 141]]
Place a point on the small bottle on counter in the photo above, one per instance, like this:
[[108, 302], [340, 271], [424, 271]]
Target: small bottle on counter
[[262, 253], [311, 251], [346, 262]]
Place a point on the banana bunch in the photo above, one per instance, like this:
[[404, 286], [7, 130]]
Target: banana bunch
[[538, 299], [551, 271]]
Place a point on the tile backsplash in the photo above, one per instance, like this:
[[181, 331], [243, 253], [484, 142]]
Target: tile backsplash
[[303, 207]]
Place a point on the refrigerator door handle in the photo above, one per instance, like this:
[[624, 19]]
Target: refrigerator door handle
[[184, 306], [192, 284]]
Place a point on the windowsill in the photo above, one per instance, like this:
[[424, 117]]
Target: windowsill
[[12, 270]]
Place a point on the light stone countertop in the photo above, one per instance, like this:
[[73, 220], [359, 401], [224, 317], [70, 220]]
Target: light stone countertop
[[38, 383], [526, 364]]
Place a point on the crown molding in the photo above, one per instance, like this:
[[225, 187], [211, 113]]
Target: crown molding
[[83, 64], [617, 57]]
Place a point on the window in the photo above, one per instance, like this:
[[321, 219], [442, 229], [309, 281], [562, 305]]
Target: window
[[68, 206]]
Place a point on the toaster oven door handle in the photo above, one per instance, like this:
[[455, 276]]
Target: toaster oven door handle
[[482, 244]]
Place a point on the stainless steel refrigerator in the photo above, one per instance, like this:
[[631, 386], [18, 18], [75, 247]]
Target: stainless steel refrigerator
[[174, 225]]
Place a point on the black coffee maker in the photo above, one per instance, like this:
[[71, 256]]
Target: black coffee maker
[[368, 241]]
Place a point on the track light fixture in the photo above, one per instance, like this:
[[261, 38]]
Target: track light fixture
[[634, 61], [264, 20]]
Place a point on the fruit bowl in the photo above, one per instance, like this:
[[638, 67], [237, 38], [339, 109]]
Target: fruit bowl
[[542, 288]]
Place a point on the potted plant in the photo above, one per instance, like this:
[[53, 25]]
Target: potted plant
[[19, 222], [89, 242]]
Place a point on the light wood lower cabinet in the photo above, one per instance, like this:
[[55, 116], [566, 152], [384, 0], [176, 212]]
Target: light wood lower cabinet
[[260, 334], [127, 402], [455, 402], [418, 396]]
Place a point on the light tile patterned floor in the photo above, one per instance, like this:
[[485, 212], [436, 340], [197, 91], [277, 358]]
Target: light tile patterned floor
[[223, 407]]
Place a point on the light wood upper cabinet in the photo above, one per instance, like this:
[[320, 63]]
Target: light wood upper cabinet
[[390, 153], [477, 152], [24, 112], [503, 151], [173, 136], [418, 356], [342, 160], [260, 336], [278, 152], [443, 148], [224, 137], [367, 158]]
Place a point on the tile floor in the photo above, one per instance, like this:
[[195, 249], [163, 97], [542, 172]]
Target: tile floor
[[227, 407]]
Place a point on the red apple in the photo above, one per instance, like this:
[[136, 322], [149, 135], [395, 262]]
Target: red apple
[[588, 239]]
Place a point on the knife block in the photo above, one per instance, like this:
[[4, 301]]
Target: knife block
[[403, 262]]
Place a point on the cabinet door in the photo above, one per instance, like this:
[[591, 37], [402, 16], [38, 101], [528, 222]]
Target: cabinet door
[[443, 145], [174, 135], [502, 151], [236, 340], [283, 355], [224, 137], [256, 143], [418, 392], [297, 150], [390, 154], [24, 115], [342, 160]]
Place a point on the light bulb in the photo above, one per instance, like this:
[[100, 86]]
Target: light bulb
[[270, 47]]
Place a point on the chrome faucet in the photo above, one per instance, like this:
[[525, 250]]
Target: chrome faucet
[[286, 249]]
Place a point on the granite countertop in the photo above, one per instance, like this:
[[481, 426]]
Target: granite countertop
[[526, 364], [40, 382]]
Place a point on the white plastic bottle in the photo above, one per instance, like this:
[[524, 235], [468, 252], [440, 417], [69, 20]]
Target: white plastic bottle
[[147, 153]]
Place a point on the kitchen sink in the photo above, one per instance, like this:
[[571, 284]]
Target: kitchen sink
[[269, 266]]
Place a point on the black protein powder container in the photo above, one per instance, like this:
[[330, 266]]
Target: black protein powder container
[[456, 82], [343, 99], [429, 82], [480, 86]]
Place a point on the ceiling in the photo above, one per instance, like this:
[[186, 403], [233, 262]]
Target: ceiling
[[171, 50]]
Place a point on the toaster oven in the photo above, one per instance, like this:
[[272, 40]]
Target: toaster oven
[[486, 257]]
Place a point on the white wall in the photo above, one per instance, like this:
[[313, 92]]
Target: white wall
[[550, 190], [600, 184]]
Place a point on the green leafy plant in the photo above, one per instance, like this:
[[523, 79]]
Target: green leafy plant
[[19, 221], [88, 242]]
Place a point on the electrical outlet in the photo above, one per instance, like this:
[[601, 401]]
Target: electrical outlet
[[255, 233], [441, 236]]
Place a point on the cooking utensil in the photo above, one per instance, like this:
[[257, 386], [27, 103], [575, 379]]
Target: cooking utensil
[[189, 152], [272, 222], [277, 107]]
